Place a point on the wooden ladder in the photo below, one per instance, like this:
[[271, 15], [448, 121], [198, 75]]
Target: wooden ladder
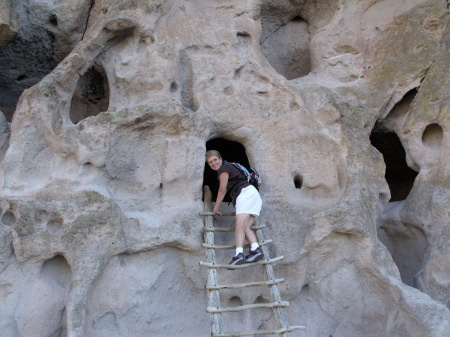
[[213, 286]]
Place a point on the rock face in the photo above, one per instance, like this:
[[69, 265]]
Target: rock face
[[343, 106], [8, 24]]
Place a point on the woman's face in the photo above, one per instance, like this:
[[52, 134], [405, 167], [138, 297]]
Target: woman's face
[[214, 162]]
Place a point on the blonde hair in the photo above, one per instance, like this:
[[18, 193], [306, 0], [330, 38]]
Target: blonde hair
[[211, 153]]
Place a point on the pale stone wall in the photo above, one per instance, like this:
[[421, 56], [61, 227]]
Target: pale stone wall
[[102, 177]]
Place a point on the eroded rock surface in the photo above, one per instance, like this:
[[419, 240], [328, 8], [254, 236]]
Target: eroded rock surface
[[103, 163]]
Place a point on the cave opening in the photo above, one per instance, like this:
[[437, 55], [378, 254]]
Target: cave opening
[[91, 96], [285, 43], [406, 242], [230, 151], [288, 33], [24, 62], [399, 176]]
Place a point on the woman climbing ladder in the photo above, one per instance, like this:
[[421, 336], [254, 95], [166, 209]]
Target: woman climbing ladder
[[247, 201]]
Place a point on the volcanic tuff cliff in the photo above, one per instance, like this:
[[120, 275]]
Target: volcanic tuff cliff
[[109, 106]]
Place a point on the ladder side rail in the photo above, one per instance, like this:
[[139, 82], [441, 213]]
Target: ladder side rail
[[280, 312], [213, 278]]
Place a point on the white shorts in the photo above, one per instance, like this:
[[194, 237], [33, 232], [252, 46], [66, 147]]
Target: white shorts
[[248, 201]]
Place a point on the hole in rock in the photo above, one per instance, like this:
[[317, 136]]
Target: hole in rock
[[41, 216], [235, 301], [228, 90], [9, 218], [260, 299], [230, 151], [238, 73], [173, 87], [432, 136], [308, 308], [57, 269], [244, 41], [407, 245], [53, 20], [91, 96], [399, 176], [52, 294], [298, 181], [8, 112], [186, 80], [286, 44], [305, 291], [21, 77], [55, 223], [401, 108]]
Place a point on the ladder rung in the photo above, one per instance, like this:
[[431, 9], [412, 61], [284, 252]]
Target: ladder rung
[[258, 332], [262, 243], [248, 306], [248, 284], [245, 265], [214, 214], [230, 229]]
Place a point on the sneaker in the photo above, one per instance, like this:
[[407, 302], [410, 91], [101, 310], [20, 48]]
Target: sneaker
[[238, 259], [254, 255]]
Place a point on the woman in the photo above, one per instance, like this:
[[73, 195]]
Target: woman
[[245, 198]]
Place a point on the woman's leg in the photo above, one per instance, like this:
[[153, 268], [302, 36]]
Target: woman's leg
[[239, 237], [240, 229], [249, 233], [243, 230], [255, 253]]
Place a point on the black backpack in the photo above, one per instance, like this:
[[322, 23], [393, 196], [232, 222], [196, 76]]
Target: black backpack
[[251, 174]]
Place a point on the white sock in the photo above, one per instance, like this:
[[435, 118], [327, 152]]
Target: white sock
[[239, 250], [254, 245]]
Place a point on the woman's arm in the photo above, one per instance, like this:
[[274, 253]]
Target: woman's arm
[[223, 178]]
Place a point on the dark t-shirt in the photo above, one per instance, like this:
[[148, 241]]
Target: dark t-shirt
[[236, 181]]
